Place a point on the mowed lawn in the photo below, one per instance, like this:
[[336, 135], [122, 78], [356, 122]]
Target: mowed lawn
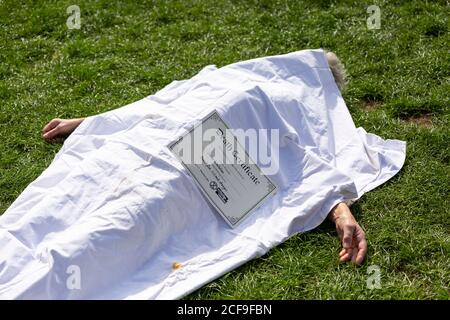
[[398, 88]]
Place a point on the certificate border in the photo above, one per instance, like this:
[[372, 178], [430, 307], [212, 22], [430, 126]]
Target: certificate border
[[227, 219]]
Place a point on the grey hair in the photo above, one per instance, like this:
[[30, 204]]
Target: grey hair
[[337, 68]]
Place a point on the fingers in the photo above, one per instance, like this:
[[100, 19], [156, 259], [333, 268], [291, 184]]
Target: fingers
[[52, 124], [354, 255], [362, 246], [53, 133], [345, 255], [347, 238], [51, 130], [357, 253], [361, 256]]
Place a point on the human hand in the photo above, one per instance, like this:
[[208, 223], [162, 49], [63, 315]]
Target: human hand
[[351, 234], [60, 128]]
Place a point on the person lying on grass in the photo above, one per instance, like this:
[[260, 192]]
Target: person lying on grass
[[350, 232]]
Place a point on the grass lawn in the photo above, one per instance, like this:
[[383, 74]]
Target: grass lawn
[[399, 88]]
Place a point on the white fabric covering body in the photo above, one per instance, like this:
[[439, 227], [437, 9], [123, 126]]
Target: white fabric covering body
[[117, 206]]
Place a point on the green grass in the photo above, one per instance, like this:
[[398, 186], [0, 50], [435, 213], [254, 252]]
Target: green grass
[[399, 88]]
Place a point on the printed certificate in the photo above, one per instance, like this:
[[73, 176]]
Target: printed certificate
[[222, 169]]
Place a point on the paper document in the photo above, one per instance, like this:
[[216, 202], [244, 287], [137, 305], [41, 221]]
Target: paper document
[[224, 172]]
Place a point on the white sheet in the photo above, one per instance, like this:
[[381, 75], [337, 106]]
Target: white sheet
[[117, 205]]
